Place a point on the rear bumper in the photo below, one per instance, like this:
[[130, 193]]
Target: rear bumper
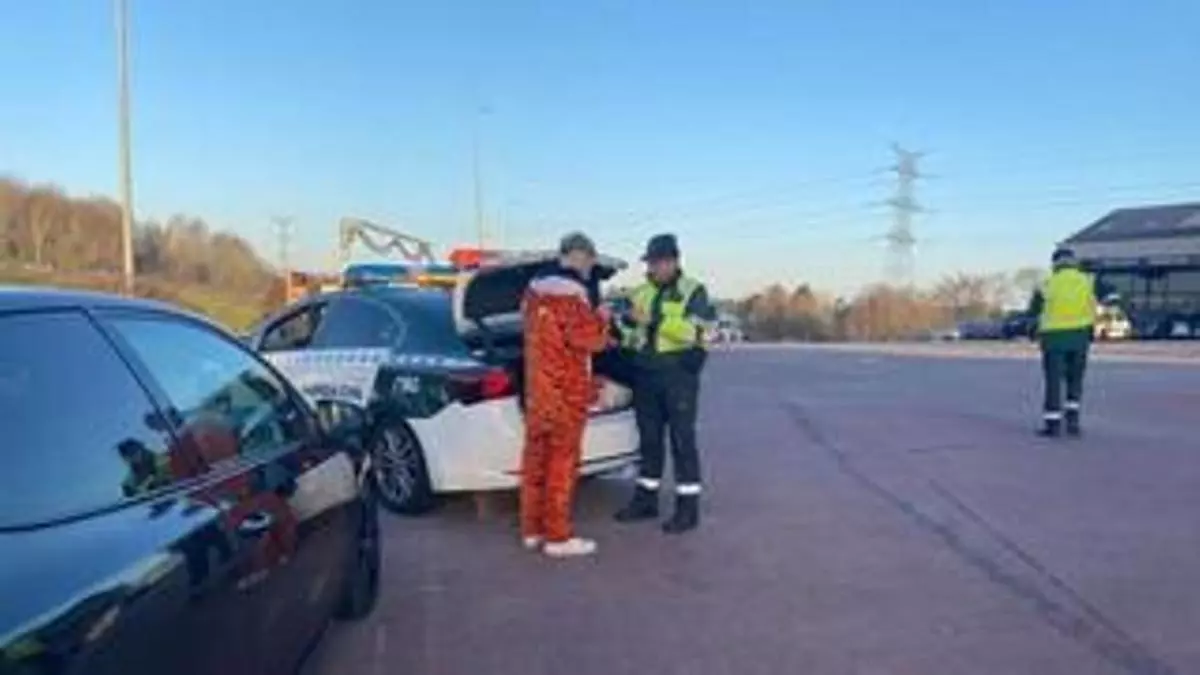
[[479, 447]]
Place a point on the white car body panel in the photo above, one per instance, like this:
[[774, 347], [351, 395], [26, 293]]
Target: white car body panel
[[479, 447], [342, 375], [467, 448]]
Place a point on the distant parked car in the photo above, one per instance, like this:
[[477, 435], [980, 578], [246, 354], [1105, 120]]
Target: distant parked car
[[1181, 327], [168, 504], [1112, 324], [726, 331], [981, 330], [1019, 325], [1160, 325], [946, 335]]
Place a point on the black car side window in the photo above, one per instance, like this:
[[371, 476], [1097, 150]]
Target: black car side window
[[224, 400], [293, 332], [357, 323], [79, 432]]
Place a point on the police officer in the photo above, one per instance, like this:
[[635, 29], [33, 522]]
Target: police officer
[[666, 326], [1066, 306]]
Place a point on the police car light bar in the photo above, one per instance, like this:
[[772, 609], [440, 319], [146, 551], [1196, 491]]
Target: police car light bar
[[399, 274]]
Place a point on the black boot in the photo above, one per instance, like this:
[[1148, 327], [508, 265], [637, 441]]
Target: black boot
[[687, 515], [643, 506], [1073, 426], [1051, 429]]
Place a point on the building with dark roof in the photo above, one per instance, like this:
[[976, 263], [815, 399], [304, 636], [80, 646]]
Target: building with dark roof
[[1151, 256]]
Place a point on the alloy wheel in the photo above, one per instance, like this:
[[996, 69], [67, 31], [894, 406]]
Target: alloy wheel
[[396, 465]]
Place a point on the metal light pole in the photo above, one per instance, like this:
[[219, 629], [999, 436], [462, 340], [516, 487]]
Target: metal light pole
[[125, 170], [479, 231], [476, 173]]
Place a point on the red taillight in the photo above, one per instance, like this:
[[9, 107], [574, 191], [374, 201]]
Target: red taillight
[[495, 384], [488, 385]]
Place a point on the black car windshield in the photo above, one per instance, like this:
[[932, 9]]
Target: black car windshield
[[429, 319]]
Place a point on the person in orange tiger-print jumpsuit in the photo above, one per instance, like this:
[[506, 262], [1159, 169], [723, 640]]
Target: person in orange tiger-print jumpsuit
[[563, 329]]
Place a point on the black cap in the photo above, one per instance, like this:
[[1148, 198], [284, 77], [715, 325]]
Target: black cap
[[661, 247], [1063, 256], [577, 241], [130, 448]]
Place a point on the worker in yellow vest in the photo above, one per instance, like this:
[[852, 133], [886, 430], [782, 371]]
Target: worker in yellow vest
[[665, 330], [1066, 306]]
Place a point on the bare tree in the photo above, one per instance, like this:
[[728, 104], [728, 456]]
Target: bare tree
[[71, 240], [1027, 280]]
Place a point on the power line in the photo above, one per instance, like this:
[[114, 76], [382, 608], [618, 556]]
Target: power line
[[1064, 160], [735, 220], [1075, 193], [712, 203], [775, 218], [730, 201], [780, 211], [748, 221], [736, 201]]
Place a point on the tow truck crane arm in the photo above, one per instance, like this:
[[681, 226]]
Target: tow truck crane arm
[[381, 240]]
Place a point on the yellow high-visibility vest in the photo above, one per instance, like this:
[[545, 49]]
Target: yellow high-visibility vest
[[1069, 301], [677, 332]]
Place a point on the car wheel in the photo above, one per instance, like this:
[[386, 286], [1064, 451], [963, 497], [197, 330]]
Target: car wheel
[[399, 473], [361, 592]]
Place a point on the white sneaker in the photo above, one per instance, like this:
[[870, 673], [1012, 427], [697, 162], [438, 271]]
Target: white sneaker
[[570, 548], [532, 543]]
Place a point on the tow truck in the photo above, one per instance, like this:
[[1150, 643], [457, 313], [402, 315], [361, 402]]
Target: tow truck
[[412, 263]]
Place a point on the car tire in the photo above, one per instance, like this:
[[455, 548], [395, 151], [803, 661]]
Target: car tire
[[360, 593], [399, 474]]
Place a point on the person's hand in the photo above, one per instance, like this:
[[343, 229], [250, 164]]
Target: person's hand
[[638, 315], [605, 313]]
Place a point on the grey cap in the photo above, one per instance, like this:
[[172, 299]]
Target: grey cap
[[577, 241]]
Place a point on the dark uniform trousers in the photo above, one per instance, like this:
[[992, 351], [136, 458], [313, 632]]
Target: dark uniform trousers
[[665, 400], [1064, 363]]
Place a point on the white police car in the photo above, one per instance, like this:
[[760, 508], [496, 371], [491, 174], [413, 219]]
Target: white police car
[[441, 373]]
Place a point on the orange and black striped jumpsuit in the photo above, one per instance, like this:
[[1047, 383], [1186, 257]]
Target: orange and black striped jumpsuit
[[562, 332]]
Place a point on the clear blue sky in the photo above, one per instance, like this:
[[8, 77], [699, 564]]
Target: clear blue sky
[[756, 131]]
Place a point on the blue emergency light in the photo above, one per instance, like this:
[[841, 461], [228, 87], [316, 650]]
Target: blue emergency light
[[393, 273]]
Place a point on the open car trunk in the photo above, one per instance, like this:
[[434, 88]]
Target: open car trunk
[[487, 315]]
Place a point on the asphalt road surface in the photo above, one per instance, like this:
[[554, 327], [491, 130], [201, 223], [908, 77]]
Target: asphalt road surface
[[866, 514]]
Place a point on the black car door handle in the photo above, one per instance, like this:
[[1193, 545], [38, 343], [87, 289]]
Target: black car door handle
[[256, 524]]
